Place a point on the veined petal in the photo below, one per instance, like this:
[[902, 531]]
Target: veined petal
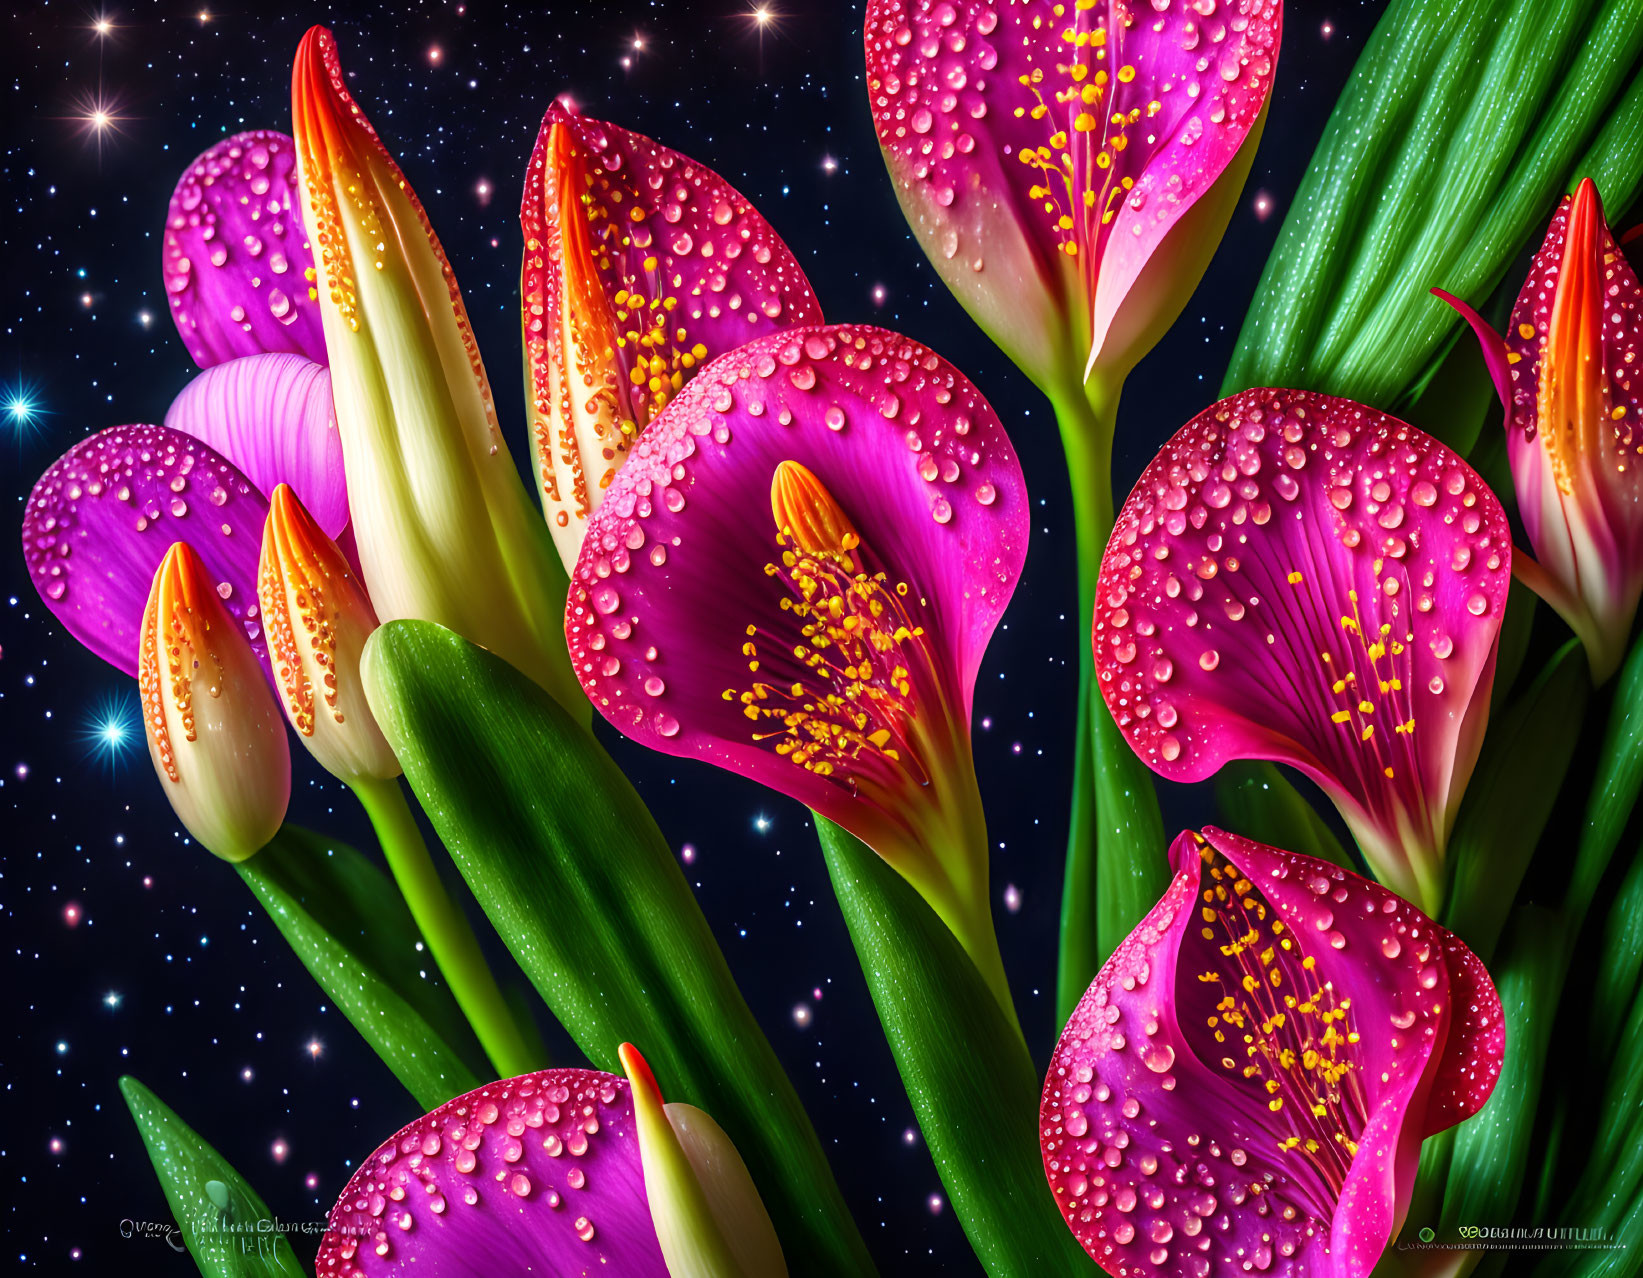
[[318, 618], [640, 266], [445, 531], [829, 649], [533, 1175], [1300, 578], [214, 734], [236, 264], [271, 415], [101, 519], [1043, 152], [1575, 424], [1247, 1081]]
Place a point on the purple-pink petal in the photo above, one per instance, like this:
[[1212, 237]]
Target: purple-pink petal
[[1042, 153], [236, 262], [532, 1175], [272, 416], [683, 617], [1303, 579], [1246, 1083], [101, 519]]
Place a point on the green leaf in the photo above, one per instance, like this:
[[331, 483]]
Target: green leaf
[[1615, 787], [346, 921], [227, 1227], [965, 1066], [1515, 630], [1510, 798], [1491, 1149], [1257, 801], [561, 853], [1131, 865], [1442, 159]]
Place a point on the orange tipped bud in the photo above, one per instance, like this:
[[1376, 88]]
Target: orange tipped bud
[[318, 617], [214, 733]]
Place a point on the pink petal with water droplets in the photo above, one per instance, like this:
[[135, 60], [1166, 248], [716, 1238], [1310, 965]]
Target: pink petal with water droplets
[[676, 570], [1300, 578], [1189, 79], [271, 415], [538, 1174], [1174, 1145], [640, 266], [236, 261], [101, 519]]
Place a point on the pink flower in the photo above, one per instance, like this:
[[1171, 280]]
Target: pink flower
[[1302, 579], [641, 265], [1568, 373], [795, 575], [1246, 1084], [1069, 168]]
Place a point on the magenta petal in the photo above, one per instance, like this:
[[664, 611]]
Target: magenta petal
[[1180, 1119], [532, 1175], [101, 519], [1300, 578], [271, 415], [236, 262], [1495, 354], [676, 613], [1043, 153]]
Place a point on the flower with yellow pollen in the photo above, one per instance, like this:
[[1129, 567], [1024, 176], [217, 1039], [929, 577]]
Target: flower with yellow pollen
[[830, 652]]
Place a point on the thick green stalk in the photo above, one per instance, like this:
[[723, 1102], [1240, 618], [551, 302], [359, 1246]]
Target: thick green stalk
[[1115, 868], [450, 940]]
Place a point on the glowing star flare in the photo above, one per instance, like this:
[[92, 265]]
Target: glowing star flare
[[1247, 1082], [1568, 373], [214, 733], [832, 656], [1070, 168], [444, 529], [317, 618], [640, 266], [1302, 579]]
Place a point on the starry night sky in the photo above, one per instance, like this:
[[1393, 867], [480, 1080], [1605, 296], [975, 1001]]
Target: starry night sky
[[128, 949]]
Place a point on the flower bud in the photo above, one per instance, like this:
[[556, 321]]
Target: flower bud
[[214, 733], [317, 618]]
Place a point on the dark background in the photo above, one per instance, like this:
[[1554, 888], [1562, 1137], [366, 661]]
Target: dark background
[[127, 951]]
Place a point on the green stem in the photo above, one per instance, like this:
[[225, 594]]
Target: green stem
[[450, 940], [1115, 867]]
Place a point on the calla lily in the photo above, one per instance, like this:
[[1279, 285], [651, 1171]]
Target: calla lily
[[831, 654], [101, 519], [318, 618], [1302, 579], [214, 734], [236, 263], [552, 1172], [1568, 374], [1069, 169], [1247, 1082], [444, 529], [640, 266]]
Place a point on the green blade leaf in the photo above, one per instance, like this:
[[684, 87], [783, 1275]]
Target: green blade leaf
[[563, 856], [227, 1226], [1510, 798], [1257, 801], [1614, 788], [1443, 157], [345, 920], [965, 1067]]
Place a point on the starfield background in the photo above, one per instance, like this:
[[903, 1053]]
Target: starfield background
[[127, 949]]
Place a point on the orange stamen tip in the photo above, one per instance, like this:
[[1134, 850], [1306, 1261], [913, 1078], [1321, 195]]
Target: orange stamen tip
[[638, 1070], [807, 513]]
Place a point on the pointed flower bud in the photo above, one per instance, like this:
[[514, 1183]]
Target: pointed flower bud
[[214, 733], [640, 266], [444, 527], [317, 618], [1567, 372]]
